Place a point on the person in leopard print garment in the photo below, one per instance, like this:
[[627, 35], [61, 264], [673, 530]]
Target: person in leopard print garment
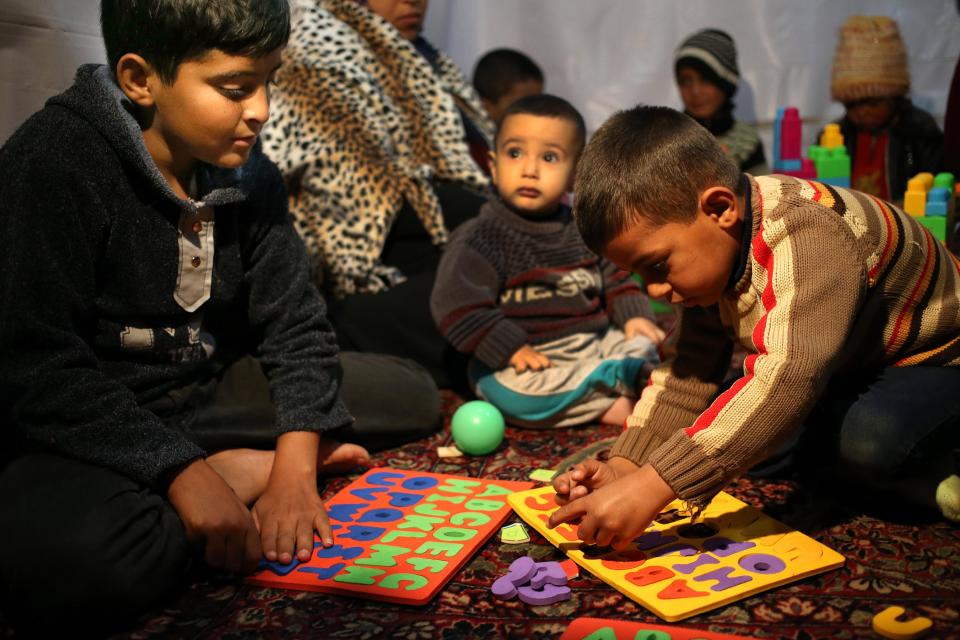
[[371, 127]]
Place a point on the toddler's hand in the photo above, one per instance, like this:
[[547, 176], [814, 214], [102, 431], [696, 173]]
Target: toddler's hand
[[526, 357], [642, 327]]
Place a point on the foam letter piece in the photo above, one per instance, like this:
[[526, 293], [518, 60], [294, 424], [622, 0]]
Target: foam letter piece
[[548, 573], [368, 493], [521, 570], [723, 547], [886, 624], [679, 589], [548, 595], [276, 567], [323, 573], [514, 533], [399, 499], [383, 478], [343, 512], [419, 483], [652, 539], [361, 533], [339, 551]]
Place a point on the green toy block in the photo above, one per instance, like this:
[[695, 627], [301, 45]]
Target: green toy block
[[944, 180], [831, 162], [936, 224]]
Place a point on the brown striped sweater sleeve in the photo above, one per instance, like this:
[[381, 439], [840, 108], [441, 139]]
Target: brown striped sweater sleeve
[[830, 270]]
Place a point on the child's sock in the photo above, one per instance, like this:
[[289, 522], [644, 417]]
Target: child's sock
[[948, 498]]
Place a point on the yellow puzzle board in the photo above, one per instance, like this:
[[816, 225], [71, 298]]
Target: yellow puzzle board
[[677, 570]]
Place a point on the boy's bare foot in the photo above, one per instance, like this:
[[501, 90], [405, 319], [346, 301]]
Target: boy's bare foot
[[618, 411], [245, 470], [248, 470], [335, 456]]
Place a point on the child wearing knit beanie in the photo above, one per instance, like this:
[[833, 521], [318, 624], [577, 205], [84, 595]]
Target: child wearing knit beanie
[[705, 66], [889, 140]]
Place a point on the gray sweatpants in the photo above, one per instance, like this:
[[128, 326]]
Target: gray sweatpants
[[589, 373]]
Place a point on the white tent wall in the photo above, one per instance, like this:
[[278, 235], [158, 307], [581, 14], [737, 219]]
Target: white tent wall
[[42, 42], [602, 55], [605, 55]]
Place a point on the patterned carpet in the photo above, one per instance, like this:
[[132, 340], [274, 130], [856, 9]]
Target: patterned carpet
[[913, 564]]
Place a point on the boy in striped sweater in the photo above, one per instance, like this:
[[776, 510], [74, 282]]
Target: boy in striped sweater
[[849, 312], [559, 336]]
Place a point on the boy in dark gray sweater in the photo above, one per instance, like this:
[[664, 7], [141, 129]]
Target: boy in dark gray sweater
[[158, 315]]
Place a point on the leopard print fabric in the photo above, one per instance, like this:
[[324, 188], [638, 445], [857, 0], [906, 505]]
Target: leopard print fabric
[[360, 121]]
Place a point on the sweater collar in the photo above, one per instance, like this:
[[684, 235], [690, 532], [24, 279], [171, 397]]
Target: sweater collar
[[97, 98], [740, 277], [552, 223]]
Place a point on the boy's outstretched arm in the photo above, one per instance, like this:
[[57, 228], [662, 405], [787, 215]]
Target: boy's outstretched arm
[[614, 514], [290, 508]]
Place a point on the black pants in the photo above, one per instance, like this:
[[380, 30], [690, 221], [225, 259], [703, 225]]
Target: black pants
[[398, 321], [82, 546], [890, 435]]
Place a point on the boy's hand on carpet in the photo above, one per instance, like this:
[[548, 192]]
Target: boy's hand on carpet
[[287, 514], [614, 514], [212, 514]]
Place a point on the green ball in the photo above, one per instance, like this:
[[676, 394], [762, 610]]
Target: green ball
[[477, 427]]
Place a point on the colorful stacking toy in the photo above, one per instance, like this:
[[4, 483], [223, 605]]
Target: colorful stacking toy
[[930, 200], [827, 162]]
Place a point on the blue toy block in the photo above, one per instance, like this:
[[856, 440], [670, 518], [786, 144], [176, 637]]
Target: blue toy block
[[791, 165], [836, 182], [777, 123], [938, 202]]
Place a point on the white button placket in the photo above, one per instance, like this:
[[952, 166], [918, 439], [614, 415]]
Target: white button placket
[[195, 239]]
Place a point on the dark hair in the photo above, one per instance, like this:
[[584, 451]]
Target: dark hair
[[650, 162], [498, 70], [168, 32], [548, 106]]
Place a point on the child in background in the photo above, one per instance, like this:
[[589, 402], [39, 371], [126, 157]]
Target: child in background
[[503, 76], [889, 140], [158, 315], [746, 258], [559, 336], [707, 75]]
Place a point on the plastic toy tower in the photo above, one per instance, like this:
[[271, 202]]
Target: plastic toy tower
[[830, 158], [787, 129], [826, 162], [931, 201]]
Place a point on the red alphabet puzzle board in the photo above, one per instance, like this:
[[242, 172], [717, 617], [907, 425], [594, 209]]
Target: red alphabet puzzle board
[[601, 629], [398, 535], [677, 569]]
